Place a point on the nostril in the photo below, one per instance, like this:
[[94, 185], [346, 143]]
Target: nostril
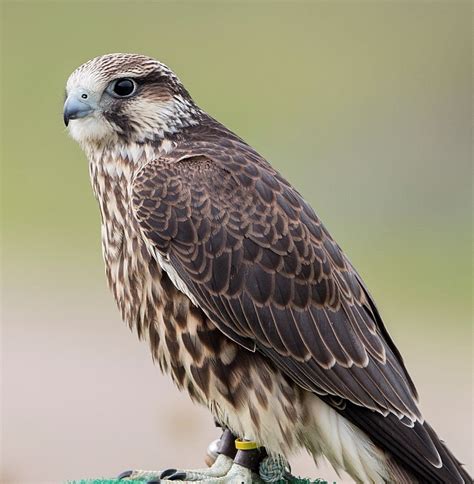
[[84, 96]]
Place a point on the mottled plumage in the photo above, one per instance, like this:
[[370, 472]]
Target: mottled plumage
[[244, 296]]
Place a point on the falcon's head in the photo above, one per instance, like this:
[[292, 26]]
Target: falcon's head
[[127, 97]]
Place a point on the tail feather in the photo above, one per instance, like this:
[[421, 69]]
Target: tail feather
[[399, 473], [416, 451], [456, 470]]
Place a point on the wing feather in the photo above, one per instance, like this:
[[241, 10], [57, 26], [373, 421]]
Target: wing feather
[[263, 267]]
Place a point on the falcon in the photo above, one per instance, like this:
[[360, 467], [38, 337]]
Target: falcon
[[245, 298]]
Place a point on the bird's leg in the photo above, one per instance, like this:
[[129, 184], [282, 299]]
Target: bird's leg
[[231, 466]]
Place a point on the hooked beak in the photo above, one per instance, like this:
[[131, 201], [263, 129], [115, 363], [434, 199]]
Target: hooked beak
[[77, 106]]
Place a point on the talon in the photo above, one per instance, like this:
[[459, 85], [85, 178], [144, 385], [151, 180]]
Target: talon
[[221, 471], [177, 476], [168, 472], [124, 475]]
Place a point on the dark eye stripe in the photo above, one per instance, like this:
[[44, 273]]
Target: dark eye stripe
[[163, 80]]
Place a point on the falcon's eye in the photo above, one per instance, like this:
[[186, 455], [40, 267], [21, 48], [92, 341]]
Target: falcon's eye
[[123, 87]]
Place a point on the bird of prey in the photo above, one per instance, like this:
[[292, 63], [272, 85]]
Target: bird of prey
[[245, 298]]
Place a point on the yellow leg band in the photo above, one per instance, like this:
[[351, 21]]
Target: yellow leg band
[[245, 445]]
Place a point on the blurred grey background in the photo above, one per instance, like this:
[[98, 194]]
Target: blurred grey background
[[364, 106]]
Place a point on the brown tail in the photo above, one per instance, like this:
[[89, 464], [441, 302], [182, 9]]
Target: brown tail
[[417, 454]]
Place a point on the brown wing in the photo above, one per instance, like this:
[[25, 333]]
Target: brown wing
[[254, 256], [260, 263]]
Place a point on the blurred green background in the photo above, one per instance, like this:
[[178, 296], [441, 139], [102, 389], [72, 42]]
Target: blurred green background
[[364, 106]]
